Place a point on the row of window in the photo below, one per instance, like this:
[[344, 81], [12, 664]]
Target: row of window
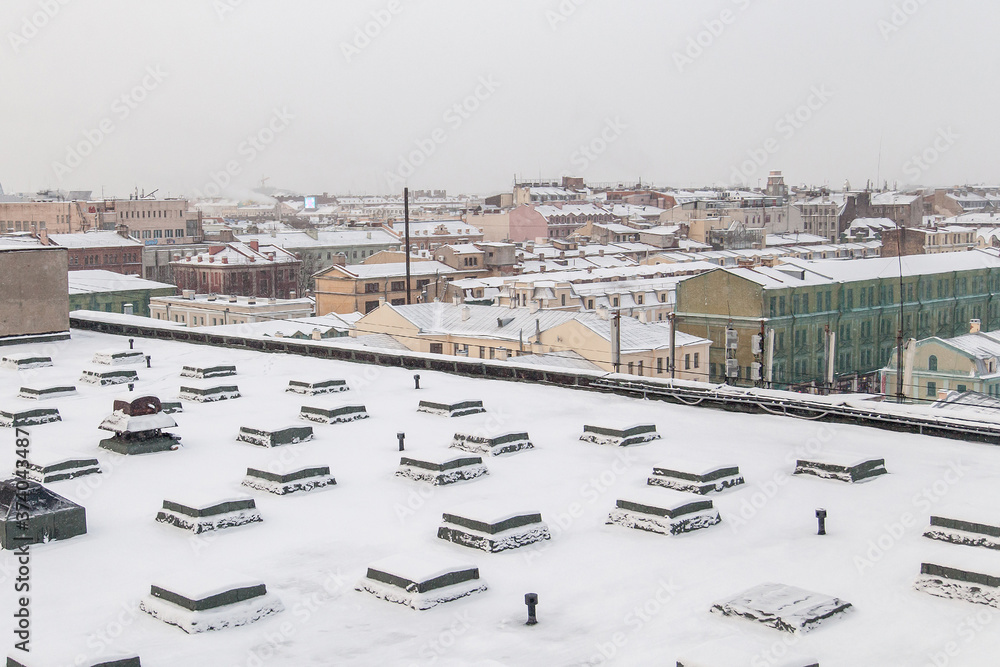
[[168, 213], [22, 226], [95, 260], [925, 291], [162, 233]]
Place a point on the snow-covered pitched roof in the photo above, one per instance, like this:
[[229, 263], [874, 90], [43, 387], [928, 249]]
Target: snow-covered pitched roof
[[390, 269], [240, 254], [94, 240], [96, 280]]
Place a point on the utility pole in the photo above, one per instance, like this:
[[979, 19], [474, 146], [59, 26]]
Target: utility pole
[[899, 335], [673, 346], [616, 340], [406, 239]]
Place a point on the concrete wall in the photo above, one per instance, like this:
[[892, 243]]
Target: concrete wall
[[34, 291]]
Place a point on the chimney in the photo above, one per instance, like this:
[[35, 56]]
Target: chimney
[[534, 306], [975, 326], [216, 249], [254, 246], [466, 314], [317, 334], [225, 260], [233, 299], [502, 353], [188, 294]]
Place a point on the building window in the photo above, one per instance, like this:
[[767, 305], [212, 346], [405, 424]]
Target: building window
[[399, 302], [687, 362], [370, 306], [397, 286], [932, 388], [659, 364], [437, 348], [932, 363], [696, 360], [961, 388], [371, 288]]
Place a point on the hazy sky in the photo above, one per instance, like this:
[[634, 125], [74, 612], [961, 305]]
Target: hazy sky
[[189, 95]]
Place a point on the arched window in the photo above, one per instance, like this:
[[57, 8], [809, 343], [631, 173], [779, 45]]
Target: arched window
[[932, 363]]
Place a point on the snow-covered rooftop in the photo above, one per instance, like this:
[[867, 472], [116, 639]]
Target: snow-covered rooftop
[[96, 280], [599, 585], [94, 240]]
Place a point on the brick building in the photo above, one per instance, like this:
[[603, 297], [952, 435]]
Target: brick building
[[107, 251], [152, 221], [241, 269]]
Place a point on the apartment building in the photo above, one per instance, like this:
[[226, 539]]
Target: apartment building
[[209, 310], [862, 303], [152, 221], [364, 287], [932, 240], [487, 332], [242, 269], [107, 251], [934, 366]]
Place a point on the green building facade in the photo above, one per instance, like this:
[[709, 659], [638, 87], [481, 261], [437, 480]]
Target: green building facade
[[861, 301], [108, 292]]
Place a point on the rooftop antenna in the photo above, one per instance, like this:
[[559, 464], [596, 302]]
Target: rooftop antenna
[[878, 172]]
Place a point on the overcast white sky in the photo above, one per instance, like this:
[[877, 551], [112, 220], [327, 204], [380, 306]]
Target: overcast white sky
[[619, 77]]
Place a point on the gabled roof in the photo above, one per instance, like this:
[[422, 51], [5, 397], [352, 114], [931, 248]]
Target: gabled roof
[[514, 324], [388, 270]]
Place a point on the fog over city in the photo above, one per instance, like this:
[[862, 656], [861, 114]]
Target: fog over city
[[198, 97]]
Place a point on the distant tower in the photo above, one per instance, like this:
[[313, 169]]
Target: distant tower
[[1, 189], [847, 186], [776, 185]]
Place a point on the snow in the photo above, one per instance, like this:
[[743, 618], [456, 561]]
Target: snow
[[119, 422], [591, 577]]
